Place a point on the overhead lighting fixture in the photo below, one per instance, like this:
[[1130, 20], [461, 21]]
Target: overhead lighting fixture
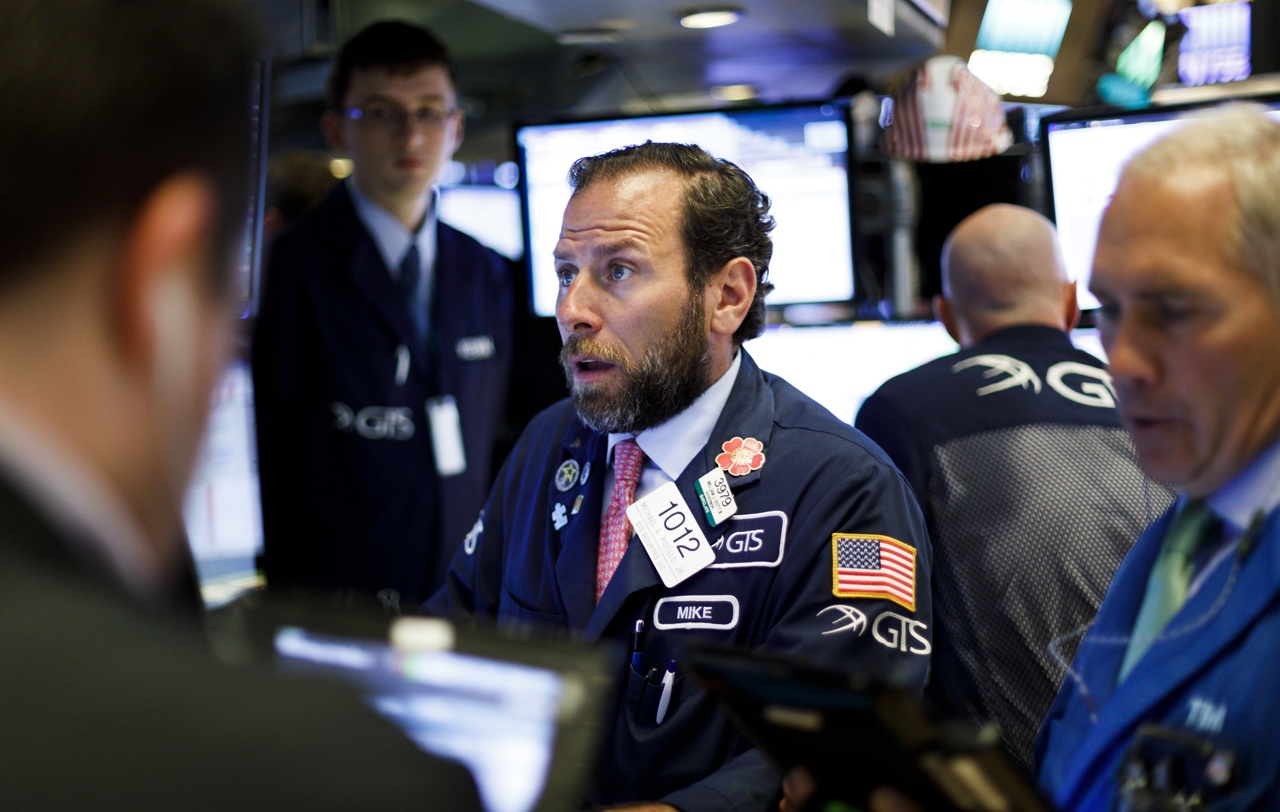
[[587, 36], [1017, 44], [710, 17], [734, 92], [1013, 74]]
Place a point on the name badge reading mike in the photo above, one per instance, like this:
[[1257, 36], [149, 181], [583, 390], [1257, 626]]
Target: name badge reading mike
[[670, 534]]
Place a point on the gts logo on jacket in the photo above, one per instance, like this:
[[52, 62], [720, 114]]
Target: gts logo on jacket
[[374, 422]]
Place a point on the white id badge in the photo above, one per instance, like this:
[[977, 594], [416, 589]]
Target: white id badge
[[446, 435], [717, 499], [670, 534]]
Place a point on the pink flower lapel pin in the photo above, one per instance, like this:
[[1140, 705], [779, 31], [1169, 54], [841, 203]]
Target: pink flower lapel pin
[[741, 456]]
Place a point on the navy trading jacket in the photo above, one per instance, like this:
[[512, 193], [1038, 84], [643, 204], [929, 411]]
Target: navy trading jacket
[[1207, 676], [823, 492], [1032, 494], [351, 495]]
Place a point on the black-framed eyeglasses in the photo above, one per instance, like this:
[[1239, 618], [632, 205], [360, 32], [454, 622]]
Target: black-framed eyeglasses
[[393, 117]]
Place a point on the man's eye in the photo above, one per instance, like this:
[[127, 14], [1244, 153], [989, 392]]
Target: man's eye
[[430, 115], [379, 113], [565, 276], [619, 272], [1172, 313], [1108, 310]]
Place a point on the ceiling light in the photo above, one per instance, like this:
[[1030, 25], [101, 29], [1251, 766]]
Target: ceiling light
[[1010, 73], [587, 36], [733, 92], [623, 23], [710, 17]]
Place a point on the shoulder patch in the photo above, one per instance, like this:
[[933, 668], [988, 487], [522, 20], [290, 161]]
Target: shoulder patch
[[868, 566]]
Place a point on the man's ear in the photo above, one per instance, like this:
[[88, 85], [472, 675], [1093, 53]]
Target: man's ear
[[169, 236], [331, 129], [459, 130], [730, 293], [1070, 305], [942, 312]]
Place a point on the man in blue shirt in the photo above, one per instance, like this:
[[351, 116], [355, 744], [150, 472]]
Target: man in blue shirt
[[1168, 702], [1187, 270]]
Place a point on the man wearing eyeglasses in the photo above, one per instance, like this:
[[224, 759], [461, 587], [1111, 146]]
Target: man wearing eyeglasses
[[382, 353]]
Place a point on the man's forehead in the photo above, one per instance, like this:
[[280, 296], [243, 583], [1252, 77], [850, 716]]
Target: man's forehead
[[642, 184], [1169, 217], [630, 207], [422, 83]]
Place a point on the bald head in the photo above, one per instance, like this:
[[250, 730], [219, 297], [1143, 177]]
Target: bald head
[[1002, 266]]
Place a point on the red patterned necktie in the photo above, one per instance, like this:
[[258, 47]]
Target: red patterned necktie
[[615, 531]]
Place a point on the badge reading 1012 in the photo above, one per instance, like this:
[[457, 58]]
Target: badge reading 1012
[[670, 534]]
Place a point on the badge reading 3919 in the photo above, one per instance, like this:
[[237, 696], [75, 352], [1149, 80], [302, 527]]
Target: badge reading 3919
[[670, 534]]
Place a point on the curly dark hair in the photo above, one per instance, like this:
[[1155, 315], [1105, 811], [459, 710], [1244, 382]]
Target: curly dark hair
[[724, 215]]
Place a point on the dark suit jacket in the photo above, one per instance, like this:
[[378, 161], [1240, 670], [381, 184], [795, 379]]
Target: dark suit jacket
[[351, 494], [106, 704]]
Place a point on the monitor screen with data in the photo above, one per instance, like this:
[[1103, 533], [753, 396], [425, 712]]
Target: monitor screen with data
[[839, 365], [1084, 153], [520, 713], [797, 154], [222, 511]]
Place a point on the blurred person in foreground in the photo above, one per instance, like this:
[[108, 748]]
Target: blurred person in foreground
[[127, 125]]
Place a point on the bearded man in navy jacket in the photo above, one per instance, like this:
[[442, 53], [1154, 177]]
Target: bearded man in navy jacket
[[821, 552]]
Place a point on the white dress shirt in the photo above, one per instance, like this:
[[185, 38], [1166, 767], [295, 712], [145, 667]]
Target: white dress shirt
[[671, 446], [393, 239]]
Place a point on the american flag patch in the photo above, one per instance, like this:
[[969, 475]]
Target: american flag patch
[[873, 567]]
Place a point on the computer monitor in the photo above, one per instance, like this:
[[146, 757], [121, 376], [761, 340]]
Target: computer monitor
[[491, 214], [1084, 153], [249, 269], [222, 512], [521, 713], [222, 509], [840, 365], [798, 154]]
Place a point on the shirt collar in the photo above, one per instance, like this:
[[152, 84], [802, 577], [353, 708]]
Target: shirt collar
[[390, 235], [91, 518], [672, 445], [1254, 490]]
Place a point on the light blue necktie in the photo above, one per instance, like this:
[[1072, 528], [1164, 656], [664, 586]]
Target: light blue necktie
[[1170, 577]]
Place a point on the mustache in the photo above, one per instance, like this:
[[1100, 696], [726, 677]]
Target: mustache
[[586, 345]]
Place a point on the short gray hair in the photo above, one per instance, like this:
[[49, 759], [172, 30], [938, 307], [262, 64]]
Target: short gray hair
[[1242, 143]]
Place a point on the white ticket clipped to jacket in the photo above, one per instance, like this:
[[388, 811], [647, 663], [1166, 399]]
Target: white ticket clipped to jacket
[[446, 436], [717, 499], [670, 534]]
